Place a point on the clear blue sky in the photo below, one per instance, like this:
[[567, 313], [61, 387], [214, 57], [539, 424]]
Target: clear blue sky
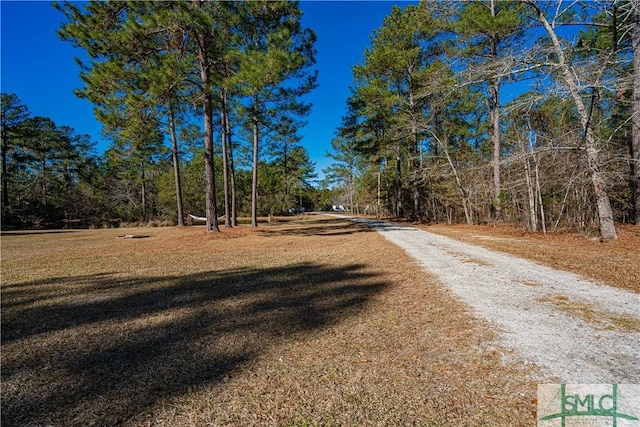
[[38, 67]]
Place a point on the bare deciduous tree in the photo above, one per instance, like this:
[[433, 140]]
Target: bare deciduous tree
[[570, 77]]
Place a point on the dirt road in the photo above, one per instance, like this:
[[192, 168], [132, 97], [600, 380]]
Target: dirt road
[[573, 329]]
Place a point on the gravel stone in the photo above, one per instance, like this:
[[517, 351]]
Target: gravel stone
[[516, 296]]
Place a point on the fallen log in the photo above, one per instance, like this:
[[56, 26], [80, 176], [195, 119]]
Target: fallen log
[[202, 218]]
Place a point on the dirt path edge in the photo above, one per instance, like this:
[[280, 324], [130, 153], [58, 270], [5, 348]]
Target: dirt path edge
[[574, 329]]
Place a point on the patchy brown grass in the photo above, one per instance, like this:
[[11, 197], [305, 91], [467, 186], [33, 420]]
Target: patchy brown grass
[[616, 263], [589, 314], [314, 321]]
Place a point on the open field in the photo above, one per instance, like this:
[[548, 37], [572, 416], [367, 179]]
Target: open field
[[314, 321]]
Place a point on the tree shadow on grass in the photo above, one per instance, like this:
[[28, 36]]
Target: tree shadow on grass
[[9, 233], [105, 350], [318, 227]]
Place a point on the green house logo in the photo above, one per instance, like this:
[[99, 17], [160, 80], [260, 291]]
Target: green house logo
[[567, 405]]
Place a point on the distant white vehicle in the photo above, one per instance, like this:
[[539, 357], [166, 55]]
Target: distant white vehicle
[[338, 208]]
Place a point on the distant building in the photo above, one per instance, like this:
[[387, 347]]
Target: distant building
[[338, 205]]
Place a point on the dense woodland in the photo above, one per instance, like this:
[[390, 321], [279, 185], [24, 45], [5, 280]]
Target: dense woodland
[[53, 178], [520, 112], [517, 111]]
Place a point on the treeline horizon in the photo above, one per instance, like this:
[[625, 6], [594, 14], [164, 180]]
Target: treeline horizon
[[203, 103], [54, 178]]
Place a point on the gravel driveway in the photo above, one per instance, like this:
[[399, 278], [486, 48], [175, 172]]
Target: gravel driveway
[[573, 329]]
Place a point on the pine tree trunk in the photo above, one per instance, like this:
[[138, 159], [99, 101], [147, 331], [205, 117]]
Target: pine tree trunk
[[416, 164], [635, 124], [209, 166], [143, 191], [176, 166], [378, 214], [232, 174], [43, 183], [399, 212], [225, 166], [351, 191], [5, 178], [211, 212], [286, 176], [254, 179], [67, 195]]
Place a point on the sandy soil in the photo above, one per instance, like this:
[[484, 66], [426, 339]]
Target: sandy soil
[[573, 329]]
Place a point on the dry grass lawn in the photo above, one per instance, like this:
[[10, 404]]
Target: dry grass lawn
[[314, 321]]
